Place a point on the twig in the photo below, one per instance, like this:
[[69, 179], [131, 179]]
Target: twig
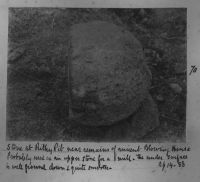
[[53, 22], [171, 119], [173, 38]]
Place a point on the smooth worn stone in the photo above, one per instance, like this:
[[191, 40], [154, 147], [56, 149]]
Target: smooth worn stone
[[175, 87], [109, 78]]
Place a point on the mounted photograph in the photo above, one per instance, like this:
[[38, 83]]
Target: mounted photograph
[[97, 74]]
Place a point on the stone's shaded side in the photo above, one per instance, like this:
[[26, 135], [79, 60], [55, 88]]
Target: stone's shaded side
[[137, 126], [109, 78], [133, 128]]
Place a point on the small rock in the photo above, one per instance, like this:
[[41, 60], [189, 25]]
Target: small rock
[[159, 98], [176, 87], [14, 54]]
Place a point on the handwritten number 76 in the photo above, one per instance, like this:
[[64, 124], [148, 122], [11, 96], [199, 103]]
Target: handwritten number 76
[[193, 69]]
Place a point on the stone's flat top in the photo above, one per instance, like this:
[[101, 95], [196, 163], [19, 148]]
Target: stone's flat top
[[108, 75], [103, 35]]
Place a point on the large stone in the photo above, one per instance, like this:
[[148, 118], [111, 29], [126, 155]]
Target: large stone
[[109, 79]]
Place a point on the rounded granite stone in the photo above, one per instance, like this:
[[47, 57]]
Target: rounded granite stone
[[108, 76]]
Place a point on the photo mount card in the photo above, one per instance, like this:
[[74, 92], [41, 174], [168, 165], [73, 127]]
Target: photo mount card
[[115, 77]]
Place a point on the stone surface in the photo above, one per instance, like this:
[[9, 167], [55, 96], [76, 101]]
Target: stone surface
[[134, 128], [138, 125], [109, 79]]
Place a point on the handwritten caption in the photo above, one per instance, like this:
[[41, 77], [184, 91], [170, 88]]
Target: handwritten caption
[[73, 159]]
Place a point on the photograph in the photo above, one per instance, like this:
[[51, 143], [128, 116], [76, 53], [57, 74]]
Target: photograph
[[96, 74]]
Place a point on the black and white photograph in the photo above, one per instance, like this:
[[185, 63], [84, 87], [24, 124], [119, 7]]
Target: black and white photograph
[[96, 74]]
